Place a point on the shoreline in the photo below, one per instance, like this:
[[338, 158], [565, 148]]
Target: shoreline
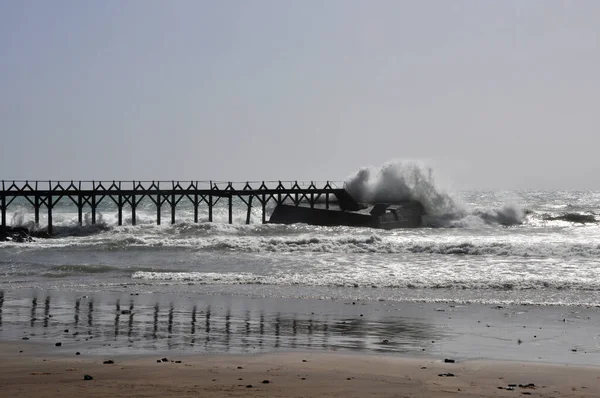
[[138, 323]]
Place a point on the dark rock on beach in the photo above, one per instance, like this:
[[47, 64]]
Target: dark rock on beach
[[449, 360], [88, 377], [109, 362]]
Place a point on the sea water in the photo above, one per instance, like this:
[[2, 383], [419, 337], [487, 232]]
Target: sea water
[[525, 247]]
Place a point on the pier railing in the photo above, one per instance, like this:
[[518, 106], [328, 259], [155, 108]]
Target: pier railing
[[90, 194]]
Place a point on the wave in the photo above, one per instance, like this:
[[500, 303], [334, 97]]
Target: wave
[[399, 181], [353, 280]]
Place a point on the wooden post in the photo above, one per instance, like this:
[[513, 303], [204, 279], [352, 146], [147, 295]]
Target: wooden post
[[133, 206], [49, 205], [158, 206], [210, 208], [120, 206], [327, 201], [264, 209], [173, 206], [296, 194], [80, 208], [230, 209], [249, 209], [94, 207], [196, 206], [3, 208], [36, 209]]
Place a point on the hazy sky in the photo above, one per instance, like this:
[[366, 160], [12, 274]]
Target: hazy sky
[[494, 94]]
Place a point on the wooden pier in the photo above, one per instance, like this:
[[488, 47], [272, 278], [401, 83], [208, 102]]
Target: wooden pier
[[45, 195]]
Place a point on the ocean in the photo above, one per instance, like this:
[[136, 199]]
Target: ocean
[[526, 247]]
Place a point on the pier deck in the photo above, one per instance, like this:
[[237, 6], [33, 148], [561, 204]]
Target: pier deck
[[45, 195]]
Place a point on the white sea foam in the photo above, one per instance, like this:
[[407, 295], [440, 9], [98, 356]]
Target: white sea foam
[[400, 181], [374, 278]]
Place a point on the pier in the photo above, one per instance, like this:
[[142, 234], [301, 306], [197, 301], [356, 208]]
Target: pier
[[45, 195]]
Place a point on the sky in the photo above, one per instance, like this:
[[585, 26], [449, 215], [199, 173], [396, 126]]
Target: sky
[[492, 94]]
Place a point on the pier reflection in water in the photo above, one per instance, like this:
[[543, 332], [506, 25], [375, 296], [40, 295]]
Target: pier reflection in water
[[206, 323]]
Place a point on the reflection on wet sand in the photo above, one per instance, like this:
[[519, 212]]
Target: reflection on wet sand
[[151, 323]]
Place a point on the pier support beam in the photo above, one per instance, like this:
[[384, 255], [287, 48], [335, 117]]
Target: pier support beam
[[210, 208], [3, 210], [173, 204], [264, 209], [133, 206], [93, 209], [120, 206], [196, 207], [36, 209], [249, 213], [80, 209], [230, 209], [49, 204], [158, 206]]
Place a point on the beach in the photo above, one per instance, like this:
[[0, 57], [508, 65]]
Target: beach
[[198, 345], [308, 374]]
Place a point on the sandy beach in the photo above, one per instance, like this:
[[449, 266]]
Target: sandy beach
[[291, 374], [220, 345]]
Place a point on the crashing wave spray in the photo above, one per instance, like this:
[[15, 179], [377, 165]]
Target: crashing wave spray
[[399, 181]]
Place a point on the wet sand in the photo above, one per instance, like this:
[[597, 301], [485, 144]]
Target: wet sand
[[351, 348], [291, 374]]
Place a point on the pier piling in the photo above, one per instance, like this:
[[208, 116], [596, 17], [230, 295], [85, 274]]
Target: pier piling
[[48, 194]]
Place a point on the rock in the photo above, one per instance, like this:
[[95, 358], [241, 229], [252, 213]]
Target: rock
[[449, 360], [58, 344], [109, 362], [446, 375], [87, 377], [530, 385], [239, 367], [304, 360], [177, 361], [159, 361], [386, 341], [265, 381], [25, 338], [304, 378], [249, 386], [77, 353], [66, 330], [423, 367], [165, 360]]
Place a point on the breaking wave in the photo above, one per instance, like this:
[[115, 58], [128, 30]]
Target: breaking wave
[[382, 280], [401, 181]]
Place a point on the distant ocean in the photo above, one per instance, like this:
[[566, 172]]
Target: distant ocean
[[526, 247]]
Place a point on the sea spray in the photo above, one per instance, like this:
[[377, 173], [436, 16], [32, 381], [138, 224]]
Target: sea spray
[[399, 181]]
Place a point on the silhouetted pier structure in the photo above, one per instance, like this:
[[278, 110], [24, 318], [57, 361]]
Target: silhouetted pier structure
[[90, 194]]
